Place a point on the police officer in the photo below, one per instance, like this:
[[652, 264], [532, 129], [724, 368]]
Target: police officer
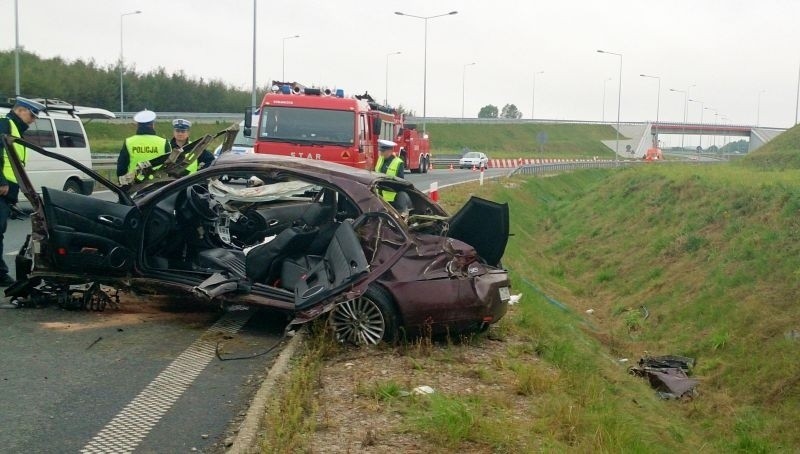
[[393, 166], [142, 146], [15, 123], [180, 137], [387, 162]]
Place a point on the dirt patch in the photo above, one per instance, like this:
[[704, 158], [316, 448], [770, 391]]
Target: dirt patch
[[135, 310], [351, 416]]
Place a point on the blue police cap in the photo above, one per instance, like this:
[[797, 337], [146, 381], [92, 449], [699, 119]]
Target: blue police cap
[[181, 124], [33, 106]]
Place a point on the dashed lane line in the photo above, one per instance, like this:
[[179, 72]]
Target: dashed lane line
[[128, 428]]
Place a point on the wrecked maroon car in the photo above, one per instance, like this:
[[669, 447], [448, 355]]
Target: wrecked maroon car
[[299, 236]]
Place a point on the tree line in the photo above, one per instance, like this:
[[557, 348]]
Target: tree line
[[86, 83], [508, 111]]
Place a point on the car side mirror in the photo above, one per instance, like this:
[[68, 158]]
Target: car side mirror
[[248, 118], [247, 131], [376, 126]]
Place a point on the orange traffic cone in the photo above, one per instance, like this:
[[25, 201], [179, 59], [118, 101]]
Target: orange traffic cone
[[473, 168], [451, 167], [430, 166]]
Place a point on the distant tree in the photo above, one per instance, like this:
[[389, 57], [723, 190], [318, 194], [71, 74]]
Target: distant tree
[[740, 146], [488, 111], [510, 111], [405, 111]]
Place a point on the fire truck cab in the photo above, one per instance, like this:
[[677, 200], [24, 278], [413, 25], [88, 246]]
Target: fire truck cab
[[324, 124], [315, 123]]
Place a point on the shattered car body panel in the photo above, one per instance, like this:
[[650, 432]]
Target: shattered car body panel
[[302, 237]]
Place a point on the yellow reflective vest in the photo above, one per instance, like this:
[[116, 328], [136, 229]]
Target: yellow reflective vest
[[8, 172], [394, 166], [144, 147]]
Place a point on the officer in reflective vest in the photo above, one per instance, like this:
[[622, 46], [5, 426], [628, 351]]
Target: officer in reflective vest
[[15, 123], [389, 164], [143, 146], [180, 137]]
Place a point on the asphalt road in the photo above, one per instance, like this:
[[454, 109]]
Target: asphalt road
[[76, 381]]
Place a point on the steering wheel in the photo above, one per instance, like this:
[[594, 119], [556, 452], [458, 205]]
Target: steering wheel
[[201, 202]]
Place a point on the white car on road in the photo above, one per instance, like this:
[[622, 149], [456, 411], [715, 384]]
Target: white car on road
[[473, 159]]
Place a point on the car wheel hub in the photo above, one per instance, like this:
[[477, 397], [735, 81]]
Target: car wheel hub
[[359, 321]]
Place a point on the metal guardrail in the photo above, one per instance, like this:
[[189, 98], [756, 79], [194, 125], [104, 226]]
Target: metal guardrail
[[542, 169]]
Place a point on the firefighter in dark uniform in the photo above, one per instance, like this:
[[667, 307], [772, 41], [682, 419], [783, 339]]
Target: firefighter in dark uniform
[[142, 146], [15, 123], [180, 137]]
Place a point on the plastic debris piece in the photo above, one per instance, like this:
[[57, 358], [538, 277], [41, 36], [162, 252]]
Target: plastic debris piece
[[514, 299], [590, 311], [424, 389]]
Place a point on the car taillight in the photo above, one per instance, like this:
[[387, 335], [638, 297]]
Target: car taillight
[[61, 251]]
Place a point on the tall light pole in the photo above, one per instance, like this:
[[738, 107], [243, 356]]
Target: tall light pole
[[122, 62], [758, 109], [425, 61], [658, 96], [716, 115], [533, 96], [283, 56], [253, 94], [619, 97], [16, 48], [702, 108], [685, 103], [605, 81], [386, 93], [797, 97], [463, 84]]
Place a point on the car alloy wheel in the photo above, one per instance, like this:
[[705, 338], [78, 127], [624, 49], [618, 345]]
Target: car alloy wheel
[[365, 320]]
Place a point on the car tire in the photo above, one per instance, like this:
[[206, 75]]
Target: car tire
[[73, 187], [424, 165], [375, 309]]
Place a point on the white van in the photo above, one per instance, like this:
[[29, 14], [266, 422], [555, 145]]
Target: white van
[[59, 129]]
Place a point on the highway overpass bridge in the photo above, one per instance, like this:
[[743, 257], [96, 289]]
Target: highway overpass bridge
[[638, 135]]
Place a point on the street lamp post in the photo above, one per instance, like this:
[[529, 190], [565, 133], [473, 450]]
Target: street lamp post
[[604, 98], [533, 96], [283, 56], [463, 84], [253, 94], [386, 93], [702, 108], [619, 97], [685, 103], [716, 115], [658, 95], [122, 63], [758, 109], [425, 61], [16, 48]]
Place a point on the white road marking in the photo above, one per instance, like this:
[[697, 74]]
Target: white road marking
[[131, 425]]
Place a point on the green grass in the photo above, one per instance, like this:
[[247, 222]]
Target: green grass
[[783, 152], [712, 252], [107, 137], [519, 140]]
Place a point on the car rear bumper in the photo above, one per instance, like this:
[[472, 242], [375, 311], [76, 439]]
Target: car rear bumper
[[493, 290]]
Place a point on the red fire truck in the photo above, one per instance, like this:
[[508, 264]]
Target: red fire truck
[[324, 124]]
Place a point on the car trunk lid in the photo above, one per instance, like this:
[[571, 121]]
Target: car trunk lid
[[482, 224]]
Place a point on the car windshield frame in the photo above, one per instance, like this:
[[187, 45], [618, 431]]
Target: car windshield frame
[[472, 155], [307, 125]]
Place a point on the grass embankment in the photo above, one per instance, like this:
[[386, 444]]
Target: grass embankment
[[520, 140], [711, 252], [498, 141], [107, 137], [783, 152]]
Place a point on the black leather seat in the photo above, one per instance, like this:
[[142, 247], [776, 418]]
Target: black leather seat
[[263, 261]]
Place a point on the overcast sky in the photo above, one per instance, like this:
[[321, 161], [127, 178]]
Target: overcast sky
[[729, 49]]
